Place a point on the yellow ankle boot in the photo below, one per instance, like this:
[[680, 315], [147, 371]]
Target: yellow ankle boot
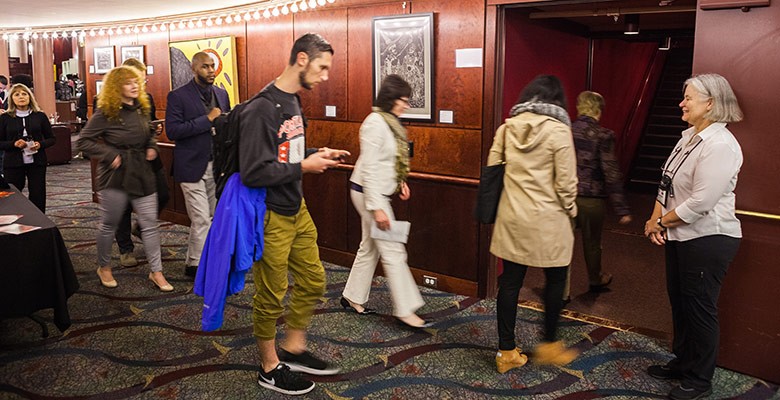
[[508, 359], [554, 353]]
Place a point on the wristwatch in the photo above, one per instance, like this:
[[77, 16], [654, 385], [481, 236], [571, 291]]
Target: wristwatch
[[658, 221]]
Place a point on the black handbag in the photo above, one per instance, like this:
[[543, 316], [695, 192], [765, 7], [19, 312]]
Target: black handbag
[[491, 184]]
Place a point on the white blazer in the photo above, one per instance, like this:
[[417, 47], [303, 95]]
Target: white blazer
[[375, 168]]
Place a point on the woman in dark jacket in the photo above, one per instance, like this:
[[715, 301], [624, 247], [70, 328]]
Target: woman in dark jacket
[[124, 172], [24, 131]]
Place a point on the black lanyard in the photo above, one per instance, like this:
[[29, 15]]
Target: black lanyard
[[685, 157]]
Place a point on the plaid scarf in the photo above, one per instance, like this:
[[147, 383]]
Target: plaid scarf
[[402, 154]]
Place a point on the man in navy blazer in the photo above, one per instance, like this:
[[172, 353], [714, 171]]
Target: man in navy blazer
[[189, 115]]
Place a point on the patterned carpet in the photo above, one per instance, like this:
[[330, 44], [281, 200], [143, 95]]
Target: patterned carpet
[[136, 342]]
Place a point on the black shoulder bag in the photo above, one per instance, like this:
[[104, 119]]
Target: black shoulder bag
[[491, 184]]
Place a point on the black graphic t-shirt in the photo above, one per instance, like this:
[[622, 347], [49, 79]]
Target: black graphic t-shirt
[[270, 155]]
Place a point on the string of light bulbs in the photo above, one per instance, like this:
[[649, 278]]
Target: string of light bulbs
[[209, 18]]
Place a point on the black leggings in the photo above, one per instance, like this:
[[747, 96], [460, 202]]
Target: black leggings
[[36, 182], [509, 284]]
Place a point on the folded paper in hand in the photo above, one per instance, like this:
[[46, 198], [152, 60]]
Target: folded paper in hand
[[18, 229], [398, 232]]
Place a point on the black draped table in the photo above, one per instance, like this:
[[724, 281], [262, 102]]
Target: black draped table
[[35, 268]]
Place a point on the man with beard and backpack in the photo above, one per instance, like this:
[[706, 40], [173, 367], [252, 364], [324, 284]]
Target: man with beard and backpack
[[274, 156]]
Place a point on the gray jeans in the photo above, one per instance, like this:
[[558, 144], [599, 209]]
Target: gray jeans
[[112, 205]]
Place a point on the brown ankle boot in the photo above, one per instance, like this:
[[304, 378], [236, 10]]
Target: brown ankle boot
[[508, 359], [554, 353]]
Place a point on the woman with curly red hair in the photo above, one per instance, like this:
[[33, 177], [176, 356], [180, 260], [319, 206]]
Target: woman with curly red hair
[[119, 136]]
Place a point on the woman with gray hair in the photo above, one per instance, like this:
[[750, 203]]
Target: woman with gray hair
[[694, 218]]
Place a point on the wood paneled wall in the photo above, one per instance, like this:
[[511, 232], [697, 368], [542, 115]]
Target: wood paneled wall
[[750, 318], [445, 238]]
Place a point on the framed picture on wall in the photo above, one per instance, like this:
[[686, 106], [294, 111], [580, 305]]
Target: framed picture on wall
[[136, 52], [403, 45], [98, 87], [222, 51], [103, 59]]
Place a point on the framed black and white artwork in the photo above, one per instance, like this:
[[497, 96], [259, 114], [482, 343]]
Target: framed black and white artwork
[[403, 45], [136, 52], [103, 59]]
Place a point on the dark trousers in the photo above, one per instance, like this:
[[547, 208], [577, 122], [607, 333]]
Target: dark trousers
[[694, 273], [509, 284], [36, 181], [124, 230], [590, 221]]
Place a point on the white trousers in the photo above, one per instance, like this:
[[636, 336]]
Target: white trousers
[[200, 200], [403, 289]]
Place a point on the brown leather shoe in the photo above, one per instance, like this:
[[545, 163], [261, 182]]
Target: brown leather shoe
[[509, 359], [554, 353], [128, 260], [606, 279]]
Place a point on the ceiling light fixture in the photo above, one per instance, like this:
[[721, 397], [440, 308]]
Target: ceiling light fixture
[[237, 14], [632, 24], [665, 43]]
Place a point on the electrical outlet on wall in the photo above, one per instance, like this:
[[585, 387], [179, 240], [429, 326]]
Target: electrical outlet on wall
[[430, 281]]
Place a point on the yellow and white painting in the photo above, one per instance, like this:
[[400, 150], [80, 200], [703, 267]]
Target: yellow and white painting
[[221, 49]]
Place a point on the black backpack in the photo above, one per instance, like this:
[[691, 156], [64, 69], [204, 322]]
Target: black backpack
[[225, 134]]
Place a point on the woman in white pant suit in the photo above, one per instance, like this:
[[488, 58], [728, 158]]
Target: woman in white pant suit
[[380, 172]]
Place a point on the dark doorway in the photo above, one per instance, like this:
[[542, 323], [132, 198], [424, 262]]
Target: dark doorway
[[585, 45]]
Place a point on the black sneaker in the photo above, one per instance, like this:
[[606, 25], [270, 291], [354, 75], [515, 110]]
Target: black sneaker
[[663, 372], [307, 363], [282, 380], [684, 393]]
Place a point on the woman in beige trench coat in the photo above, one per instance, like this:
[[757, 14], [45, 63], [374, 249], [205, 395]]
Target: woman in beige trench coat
[[533, 225]]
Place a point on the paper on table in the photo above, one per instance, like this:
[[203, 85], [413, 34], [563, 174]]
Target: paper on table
[[398, 232], [18, 229], [7, 219]]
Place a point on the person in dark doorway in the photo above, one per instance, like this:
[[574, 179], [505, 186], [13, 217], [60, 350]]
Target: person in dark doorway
[[276, 157], [533, 225], [24, 132], [598, 176], [189, 115], [380, 172], [125, 228], [81, 107], [694, 219], [121, 140]]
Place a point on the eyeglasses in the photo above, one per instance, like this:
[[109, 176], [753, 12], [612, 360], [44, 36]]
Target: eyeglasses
[[405, 100]]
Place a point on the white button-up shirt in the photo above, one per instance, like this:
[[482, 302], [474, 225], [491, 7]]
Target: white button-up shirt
[[704, 183]]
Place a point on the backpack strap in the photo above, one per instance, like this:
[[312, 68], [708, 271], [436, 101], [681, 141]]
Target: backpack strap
[[266, 94]]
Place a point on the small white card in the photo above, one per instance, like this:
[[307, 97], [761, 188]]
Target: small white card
[[468, 58], [398, 232], [445, 116]]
